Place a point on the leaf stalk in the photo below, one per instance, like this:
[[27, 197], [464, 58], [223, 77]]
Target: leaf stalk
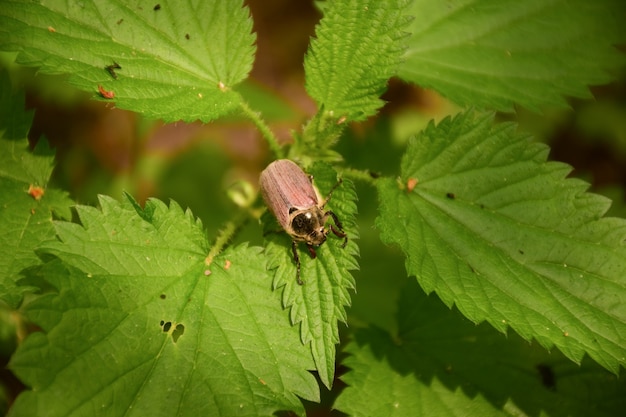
[[258, 121]]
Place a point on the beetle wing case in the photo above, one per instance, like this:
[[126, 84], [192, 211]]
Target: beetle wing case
[[285, 186]]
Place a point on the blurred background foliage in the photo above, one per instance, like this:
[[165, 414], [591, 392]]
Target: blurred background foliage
[[102, 150]]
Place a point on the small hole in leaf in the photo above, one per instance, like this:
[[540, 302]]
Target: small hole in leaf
[[163, 296], [162, 323], [167, 326], [178, 332]]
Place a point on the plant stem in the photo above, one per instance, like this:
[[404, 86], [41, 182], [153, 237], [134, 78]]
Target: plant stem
[[225, 235], [360, 175], [263, 128]]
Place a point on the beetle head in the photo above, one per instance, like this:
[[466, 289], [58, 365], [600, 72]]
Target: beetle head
[[307, 225]]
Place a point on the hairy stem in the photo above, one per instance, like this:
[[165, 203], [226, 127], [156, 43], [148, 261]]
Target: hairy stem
[[226, 235], [360, 175], [263, 128]]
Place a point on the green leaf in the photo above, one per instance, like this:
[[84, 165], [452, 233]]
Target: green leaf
[[320, 303], [494, 53], [14, 121], [25, 221], [496, 230], [357, 50], [178, 62], [160, 332], [441, 364]]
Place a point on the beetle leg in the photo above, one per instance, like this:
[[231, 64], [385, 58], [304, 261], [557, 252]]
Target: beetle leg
[[312, 251], [340, 232], [337, 222], [330, 193], [296, 258]]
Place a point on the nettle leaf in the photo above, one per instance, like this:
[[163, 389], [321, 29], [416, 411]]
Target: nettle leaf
[[14, 121], [177, 61], [356, 51], [494, 53], [496, 230], [27, 203], [441, 364], [319, 304], [160, 332]]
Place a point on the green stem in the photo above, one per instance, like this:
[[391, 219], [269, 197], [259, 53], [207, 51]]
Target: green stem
[[360, 175], [263, 128], [225, 235]]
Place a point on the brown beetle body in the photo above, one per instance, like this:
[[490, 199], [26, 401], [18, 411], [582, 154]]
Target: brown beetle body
[[289, 194]]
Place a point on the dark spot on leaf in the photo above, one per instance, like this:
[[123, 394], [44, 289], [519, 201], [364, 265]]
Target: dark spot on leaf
[[178, 332], [451, 196], [157, 7], [162, 322], [163, 296], [167, 326], [111, 69], [374, 174], [187, 36], [520, 251], [119, 22], [547, 376]]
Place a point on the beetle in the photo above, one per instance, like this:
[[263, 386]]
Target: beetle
[[289, 194]]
